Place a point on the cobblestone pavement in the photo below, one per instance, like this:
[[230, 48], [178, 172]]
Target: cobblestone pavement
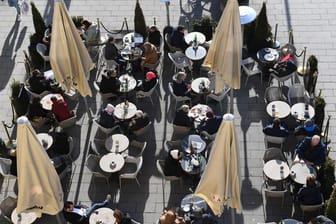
[[313, 23]]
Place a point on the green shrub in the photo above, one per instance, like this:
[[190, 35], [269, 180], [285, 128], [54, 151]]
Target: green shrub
[[77, 20], [331, 205]]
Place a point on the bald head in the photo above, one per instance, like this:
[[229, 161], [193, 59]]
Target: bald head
[[315, 140]]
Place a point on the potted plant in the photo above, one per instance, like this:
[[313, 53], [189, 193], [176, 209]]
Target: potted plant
[[139, 21], [205, 26], [319, 103], [331, 205], [327, 177], [19, 98], [77, 20]]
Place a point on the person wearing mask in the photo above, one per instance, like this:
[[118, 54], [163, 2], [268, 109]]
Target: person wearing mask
[[312, 150]]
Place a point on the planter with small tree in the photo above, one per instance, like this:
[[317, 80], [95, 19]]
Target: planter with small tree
[[205, 26]]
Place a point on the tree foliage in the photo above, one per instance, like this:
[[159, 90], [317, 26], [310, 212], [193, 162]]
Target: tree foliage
[[139, 21]]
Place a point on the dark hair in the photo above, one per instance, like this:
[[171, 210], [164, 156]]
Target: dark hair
[[110, 39], [53, 99], [180, 28], [67, 204], [36, 100], [209, 114], [36, 72], [86, 23]]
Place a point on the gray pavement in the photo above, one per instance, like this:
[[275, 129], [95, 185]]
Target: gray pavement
[[314, 26]]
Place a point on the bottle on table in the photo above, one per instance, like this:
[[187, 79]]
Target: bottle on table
[[273, 110]]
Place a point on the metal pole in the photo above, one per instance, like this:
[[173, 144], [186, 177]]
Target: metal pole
[[167, 8], [87, 108]]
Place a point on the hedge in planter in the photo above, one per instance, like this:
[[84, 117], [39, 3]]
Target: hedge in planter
[[19, 98], [205, 26]]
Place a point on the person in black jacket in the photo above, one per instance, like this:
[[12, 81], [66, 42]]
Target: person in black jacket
[[177, 38], [80, 215], [112, 53], [180, 86], [182, 118], [148, 83], [38, 83], [154, 36], [140, 120], [110, 82], [172, 165], [310, 193], [275, 129]]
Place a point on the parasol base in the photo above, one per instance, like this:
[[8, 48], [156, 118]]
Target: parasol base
[[276, 45], [302, 70]]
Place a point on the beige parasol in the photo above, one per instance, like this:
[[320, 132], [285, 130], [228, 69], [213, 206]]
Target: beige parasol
[[69, 58], [225, 52], [39, 187], [221, 189]]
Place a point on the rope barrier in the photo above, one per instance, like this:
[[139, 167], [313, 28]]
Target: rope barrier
[[122, 27]]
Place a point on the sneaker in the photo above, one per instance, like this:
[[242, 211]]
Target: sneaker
[[108, 198]]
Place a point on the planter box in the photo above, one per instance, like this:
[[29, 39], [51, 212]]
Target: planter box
[[206, 30]]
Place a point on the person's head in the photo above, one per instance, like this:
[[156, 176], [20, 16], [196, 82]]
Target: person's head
[[53, 99], [153, 28], [180, 29], [184, 108], [111, 40], [315, 140], [109, 109], [150, 75], [310, 180], [308, 125], [168, 217], [37, 73], [68, 206], [276, 123], [112, 73], [139, 114], [86, 24], [175, 154], [181, 76], [36, 100], [148, 47], [209, 114], [118, 215]]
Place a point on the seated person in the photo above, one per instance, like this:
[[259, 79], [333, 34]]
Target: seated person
[[110, 82], [312, 150], [321, 219], [211, 123], [154, 36], [61, 163], [172, 166], [276, 129], [168, 217], [112, 53], [60, 145], [308, 129], [60, 109], [150, 55], [182, 118], [148, 83], [310, 193], [140, 120], [91, 32], [180, 86], [36, 113], [177, 38], [38, 83], [107, 118], [80, 215], [121, 218]]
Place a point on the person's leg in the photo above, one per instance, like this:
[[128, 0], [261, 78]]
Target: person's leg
[[94, 207]]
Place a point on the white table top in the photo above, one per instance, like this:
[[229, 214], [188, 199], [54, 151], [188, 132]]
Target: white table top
[[137, 38], [191, 36], [195, 54], [26, 218], [49, 74], [268, 55], [300, 171], [106, 161], [196, 141], [191, 201], [117, 143], [298, 111], [131, 54], [46, 101], [105, 215], [282, 109], [272, 169], [188, 164], [199, 111], [45, 137], [122, 114], [195, 84], [127, 86]]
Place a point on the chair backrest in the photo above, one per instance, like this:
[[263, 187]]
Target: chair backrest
[[177, 129], [138, 161], [171, 90], [33, 95], [8, 205], [250, 66], [168, 42], [41, 49], [172, 144], [311, 208], [71, 145], [139, 146], [274, 139], [68, 122], [220, 96], [297, 94], [273, 153], [159, 166], [106, 130], [272, 93], [5, 165], [275, 193], [92, 163], [143, 130]]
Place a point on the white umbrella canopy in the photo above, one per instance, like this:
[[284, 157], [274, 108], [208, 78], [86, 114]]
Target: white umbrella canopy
[[69, 58], [220, 183], [225, 52], [39, 187]]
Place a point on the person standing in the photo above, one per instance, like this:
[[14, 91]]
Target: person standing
[[15, 3]]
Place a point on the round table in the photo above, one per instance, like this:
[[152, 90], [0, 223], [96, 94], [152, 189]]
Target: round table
[[123, 113], [23, 218], [193, 164], [45, 139], [282, 109], [106, 161], [290, 221], [200, 84], [193, 202], [268, 55], [117, 143], [196, 141], [137, 38], [127, 83], [298, 111], [190, 37], [104, 215], [272, 169], [198, 112], [131, 54], [195, 53], [46, 100], [300, 171]]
